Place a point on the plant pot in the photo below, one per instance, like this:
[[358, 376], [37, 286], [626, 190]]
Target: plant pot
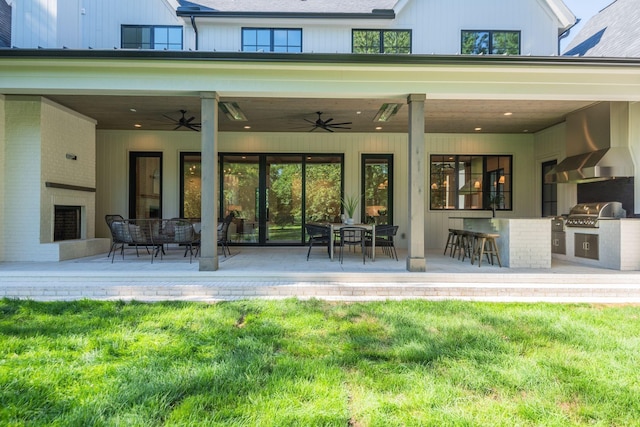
[[349, 221]]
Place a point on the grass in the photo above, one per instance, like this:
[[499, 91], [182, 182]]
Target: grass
[[313, 363]]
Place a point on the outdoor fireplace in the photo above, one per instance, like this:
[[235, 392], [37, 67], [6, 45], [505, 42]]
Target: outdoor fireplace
[[67, 223]]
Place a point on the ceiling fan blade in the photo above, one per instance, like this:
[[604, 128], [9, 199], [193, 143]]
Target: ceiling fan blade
[[328, 120], [170, 118], [313, 122], [178, 127], [341, 124], [191, 119]]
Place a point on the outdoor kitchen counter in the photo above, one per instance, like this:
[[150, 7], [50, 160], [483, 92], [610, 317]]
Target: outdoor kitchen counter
[[523, 242], [617, 244]]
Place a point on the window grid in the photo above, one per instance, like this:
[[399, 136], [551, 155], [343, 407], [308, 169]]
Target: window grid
[[381, 41], [476, 42], [471, 182], [272, 40], [151, 37]]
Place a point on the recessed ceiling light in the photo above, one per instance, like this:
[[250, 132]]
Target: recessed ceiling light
[[358, 112], [508, 113], [478, 129], [378, 127], [137, 125], [133, 110], [526, 130], [247, 127]]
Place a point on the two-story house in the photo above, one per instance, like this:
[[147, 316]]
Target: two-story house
[[428, 110]]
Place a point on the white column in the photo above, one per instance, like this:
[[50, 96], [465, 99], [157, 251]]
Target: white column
[[416, 261], [209, 211]]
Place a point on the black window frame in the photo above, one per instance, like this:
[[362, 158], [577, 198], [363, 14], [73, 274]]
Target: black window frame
[[272, 45], [492, 192], [152, 42], [381, 40], [490, 48]]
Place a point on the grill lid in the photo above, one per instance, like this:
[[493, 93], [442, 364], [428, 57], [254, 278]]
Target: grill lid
[[587, 214]]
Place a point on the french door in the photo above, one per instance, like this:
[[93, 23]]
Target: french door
[[145, 185]]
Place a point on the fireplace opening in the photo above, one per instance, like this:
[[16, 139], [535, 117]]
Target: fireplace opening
[[67, 223]]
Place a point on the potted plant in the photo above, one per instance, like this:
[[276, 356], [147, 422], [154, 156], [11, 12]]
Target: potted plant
[[350, 203]]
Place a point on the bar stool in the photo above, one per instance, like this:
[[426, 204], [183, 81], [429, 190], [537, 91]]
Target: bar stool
[[452, 242], [464, 244], [485, 244]]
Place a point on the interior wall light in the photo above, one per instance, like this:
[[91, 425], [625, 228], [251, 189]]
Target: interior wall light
[[232, 111], [386, 111], [476, 185], [501, 180]]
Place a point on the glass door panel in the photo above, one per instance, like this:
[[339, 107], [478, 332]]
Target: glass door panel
[[284, 199], [145, 185], [377, 188], [191, 184], [323, 183], [241, 195]]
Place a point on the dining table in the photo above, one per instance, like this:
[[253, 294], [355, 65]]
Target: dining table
[[336, 227]]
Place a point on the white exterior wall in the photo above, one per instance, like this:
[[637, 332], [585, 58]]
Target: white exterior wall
[[22, 175], [3, 178], [550, 144], [436, 25], [39, 133], [66, 132], [634, 147], [113, 149], [80, 24]]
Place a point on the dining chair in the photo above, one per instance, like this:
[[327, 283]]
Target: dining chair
[[352, 237], [318, 235]]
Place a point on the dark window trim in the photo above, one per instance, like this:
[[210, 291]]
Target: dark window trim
[[151, 40], [271, 31], [486, 185], [389, 158], [133, 155], [546, 167], [491, 32], [381, 34]]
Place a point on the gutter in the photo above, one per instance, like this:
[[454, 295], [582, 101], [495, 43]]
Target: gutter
[[210, 13], [195, 29]]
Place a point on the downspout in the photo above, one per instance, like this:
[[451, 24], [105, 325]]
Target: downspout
[[565, 34], [195, 29]]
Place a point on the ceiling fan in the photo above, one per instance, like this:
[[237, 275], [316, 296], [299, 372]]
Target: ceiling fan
[[184, 122], [326, 124]]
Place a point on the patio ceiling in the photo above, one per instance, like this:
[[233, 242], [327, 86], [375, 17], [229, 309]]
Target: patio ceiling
[[289, 114]]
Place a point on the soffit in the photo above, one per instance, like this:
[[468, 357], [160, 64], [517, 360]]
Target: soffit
[[289, 114]]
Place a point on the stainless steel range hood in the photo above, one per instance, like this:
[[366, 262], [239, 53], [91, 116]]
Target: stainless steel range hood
[[597, 146]]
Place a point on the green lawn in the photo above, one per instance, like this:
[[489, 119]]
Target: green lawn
[[313, 363]]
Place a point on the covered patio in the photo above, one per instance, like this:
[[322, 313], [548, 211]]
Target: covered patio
[[252, 272]]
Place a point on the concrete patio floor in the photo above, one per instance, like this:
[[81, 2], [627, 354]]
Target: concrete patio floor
[[283, 272]]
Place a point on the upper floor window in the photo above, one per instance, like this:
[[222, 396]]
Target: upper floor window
[[381, 41], [490, 42], [471, 182], [272, 40], [151, 37]]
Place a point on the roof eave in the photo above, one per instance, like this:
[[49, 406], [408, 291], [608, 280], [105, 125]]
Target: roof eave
[[208, 13]]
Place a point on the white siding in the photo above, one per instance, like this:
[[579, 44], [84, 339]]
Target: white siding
[[436, 27], [3, 177], [550, 145], [82, 24], [113, 148]]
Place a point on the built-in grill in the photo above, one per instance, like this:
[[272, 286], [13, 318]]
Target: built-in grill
[[588, 214]]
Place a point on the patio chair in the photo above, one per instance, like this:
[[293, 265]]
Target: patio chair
[[126, 232], [319, 235], [223, 234], [384, 239], [352, 237], [109, 219], [183, 234]]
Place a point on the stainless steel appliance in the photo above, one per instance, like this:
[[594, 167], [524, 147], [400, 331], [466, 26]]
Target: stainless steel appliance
[[587, 214], [558, 236]]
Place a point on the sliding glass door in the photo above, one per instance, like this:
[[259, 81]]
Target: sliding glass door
[[145, 185], [273, 195]]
